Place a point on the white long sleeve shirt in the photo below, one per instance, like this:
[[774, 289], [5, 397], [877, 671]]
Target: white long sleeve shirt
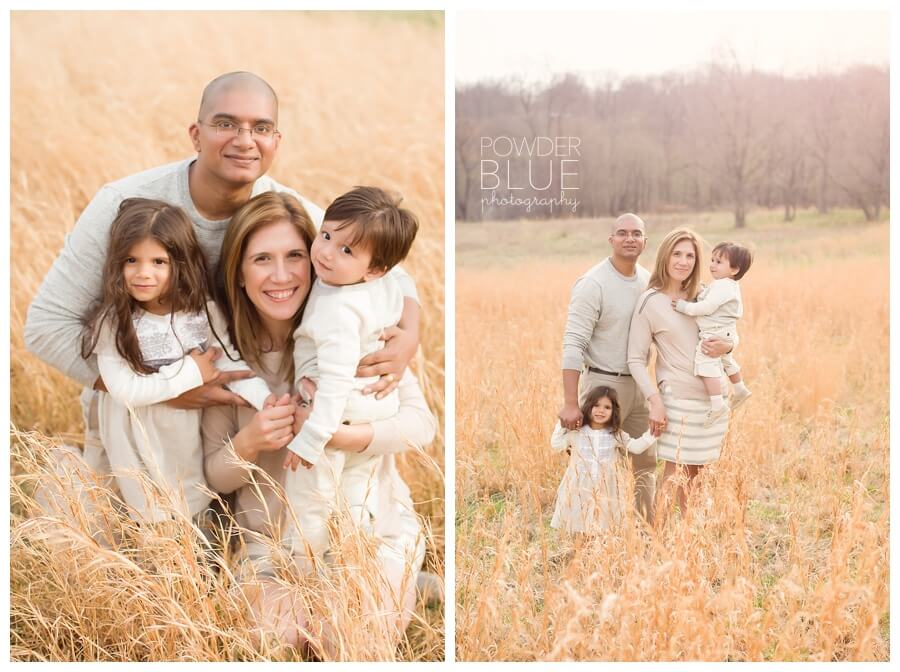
[[719, 306], [341, 325], [598, 445], [165, 341]]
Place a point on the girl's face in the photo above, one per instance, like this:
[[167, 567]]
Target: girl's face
[[275, 272], [146, 272], [601, 413], [682, 261]]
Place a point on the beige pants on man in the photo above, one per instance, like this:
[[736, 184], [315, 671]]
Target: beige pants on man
[[635, 421]]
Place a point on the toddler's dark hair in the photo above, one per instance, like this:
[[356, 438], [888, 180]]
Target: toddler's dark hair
[[738, 256], [380, 224]]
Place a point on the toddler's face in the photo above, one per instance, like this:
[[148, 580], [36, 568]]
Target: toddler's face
[[146, 272], [336, 260], [720, 267], [602, 411]]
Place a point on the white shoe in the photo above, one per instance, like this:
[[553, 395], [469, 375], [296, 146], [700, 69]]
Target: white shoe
[[738, 398], [713, 415]]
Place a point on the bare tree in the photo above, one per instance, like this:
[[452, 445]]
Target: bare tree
[[723, 136]]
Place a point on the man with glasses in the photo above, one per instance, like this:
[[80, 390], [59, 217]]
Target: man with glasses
[[236, 139], [595, 344]]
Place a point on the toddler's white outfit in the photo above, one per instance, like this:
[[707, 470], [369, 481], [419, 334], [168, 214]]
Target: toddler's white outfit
[[588, 498], [341, 324], [717, 309]]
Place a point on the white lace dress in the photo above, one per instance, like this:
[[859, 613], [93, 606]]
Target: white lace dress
[[588, 497]]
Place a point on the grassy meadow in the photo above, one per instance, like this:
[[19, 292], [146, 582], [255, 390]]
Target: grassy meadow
[[784, 552], [96, 96]]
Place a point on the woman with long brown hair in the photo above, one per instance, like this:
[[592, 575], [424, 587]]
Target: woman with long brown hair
[[678, 399], [263, 280]]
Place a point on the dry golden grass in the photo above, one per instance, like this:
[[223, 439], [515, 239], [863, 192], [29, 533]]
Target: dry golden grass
[[97, 96], [784, 552]]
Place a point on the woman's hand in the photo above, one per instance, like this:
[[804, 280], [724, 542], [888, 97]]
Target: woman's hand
[[390, 362], [658, 420], [270, 429]]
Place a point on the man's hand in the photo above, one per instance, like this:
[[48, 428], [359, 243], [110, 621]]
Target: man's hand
[[292, 461], [213, 394], [716, 347], [570, 416], [390, 362]]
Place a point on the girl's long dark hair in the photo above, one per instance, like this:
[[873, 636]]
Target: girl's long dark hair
[[595, 395], [139, 219]]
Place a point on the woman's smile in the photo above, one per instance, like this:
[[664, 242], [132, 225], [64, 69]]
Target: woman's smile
[[280, 294]]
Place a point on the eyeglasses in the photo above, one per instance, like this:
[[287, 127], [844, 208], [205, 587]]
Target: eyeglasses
[[636, 235], [231, 129]]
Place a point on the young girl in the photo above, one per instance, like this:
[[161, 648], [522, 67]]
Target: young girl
[[150, 331], [588, 496]]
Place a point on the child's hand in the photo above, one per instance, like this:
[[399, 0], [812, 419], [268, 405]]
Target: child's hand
[[292, 461], [204, 361], [270, 401]]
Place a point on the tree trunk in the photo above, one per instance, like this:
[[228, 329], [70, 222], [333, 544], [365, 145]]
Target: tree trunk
[[740, 217], [790, 211]]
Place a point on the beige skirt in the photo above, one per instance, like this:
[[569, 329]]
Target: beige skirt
[[686, 440]]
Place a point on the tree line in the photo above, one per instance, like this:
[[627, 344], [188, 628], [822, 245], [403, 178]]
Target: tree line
[[719, 137]]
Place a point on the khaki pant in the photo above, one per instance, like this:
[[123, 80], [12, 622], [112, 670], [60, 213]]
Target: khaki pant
[[635, 421]]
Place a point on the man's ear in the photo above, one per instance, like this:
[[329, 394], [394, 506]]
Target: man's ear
[[194, 132]]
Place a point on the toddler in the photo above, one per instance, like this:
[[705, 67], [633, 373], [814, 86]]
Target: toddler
[[352, 301], [717, 309]]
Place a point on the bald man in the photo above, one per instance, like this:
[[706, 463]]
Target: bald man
[[235, 139], [595, 344]]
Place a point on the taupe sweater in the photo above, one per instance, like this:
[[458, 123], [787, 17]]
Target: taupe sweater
[[675, 336]]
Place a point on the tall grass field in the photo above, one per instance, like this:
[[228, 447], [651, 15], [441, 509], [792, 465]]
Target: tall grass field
[[97, 96], [783, 552]]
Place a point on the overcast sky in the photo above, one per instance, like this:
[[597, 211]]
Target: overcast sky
[[535, 45]]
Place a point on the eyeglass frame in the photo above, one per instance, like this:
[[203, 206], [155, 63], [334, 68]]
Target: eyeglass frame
[[625, 235], [239, 128]]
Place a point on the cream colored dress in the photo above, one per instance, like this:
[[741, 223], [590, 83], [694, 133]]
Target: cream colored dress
[[588, 498], [146, 443]]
